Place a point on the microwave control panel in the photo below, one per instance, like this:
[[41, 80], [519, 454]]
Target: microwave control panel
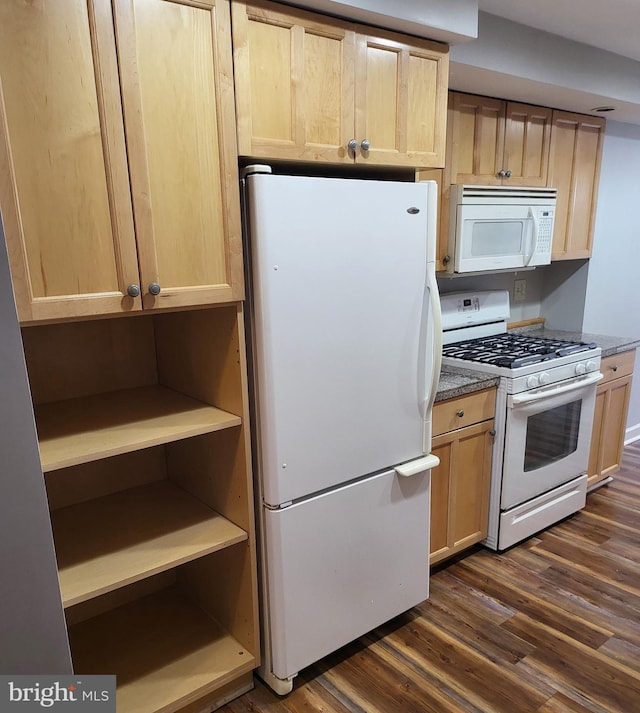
[[545, 230]]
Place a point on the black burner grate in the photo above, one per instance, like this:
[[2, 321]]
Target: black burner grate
[[513, 350]]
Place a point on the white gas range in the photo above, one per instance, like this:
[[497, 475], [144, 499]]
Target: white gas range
[[544, 413]]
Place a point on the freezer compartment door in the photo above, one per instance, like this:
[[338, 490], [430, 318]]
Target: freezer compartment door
[[341, 563]]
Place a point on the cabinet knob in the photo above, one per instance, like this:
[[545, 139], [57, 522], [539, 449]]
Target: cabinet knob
[[133, 291], [502, 173], [492, 432], [365, 145], [446, 259], [352, 145], [507, 173], [154, 288], [614, 368], [460, 413]]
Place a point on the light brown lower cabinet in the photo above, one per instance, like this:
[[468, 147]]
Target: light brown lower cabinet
[[610, 417], [463, 440]]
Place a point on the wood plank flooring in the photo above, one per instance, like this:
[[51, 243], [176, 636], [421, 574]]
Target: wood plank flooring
[[550, 626]]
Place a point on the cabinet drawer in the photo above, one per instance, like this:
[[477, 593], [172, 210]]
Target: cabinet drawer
[[463, 411], [617, 365]]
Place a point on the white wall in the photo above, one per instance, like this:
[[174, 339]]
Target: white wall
[[612, 304], [441, 20], [524, 64], [528, 308], [33, 636]]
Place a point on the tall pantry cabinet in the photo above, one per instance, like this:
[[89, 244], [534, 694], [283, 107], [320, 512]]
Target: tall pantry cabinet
[[119, 197]]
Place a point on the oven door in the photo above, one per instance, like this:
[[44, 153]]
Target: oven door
[[548, 434]]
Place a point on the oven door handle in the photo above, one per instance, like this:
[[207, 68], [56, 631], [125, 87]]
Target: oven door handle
[[527, 398]]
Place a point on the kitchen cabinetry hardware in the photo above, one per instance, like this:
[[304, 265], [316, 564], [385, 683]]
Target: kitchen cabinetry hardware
[[446, 259], [142, 423], [610, 417], [460, 483], [324, 81], [493, 142], [492, 432], [460, 413], [98, 57]]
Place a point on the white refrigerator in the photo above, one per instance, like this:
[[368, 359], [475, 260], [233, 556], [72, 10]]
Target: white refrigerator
[[345, 345]]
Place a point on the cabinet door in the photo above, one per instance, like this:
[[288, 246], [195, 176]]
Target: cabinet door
[[574, 169], [64, 186], [526, 145], [294, 83], [177, 86], [476, 139], [460, 489], [610, 420], [401, 100]]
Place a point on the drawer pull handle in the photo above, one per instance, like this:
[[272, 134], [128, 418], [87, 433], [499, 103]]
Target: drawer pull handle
[[614, 368], [460, 413]]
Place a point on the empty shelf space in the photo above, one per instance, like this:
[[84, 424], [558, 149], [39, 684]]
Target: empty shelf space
[[165, 652], [93, 427], [122, 538]]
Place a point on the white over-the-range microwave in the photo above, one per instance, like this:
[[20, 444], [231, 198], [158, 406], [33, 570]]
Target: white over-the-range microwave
[[500, 227]]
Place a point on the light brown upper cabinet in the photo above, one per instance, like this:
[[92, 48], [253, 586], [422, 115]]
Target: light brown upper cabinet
[[71, 159], [495, 142], [574, 169], [314, 88]]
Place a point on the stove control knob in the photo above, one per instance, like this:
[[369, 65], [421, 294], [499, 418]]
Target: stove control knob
[[581, 369], [544, 378], [591, 365], [532, 381]]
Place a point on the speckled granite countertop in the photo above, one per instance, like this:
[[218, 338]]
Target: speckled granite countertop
[[608, 344], [456, 382]]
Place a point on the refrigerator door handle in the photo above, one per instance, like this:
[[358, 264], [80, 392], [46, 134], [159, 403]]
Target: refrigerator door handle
[[434, 338], [419, 465], [432, 357]]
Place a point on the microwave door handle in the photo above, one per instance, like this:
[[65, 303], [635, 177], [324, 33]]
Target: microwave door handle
[[547, 393], [534, 240]]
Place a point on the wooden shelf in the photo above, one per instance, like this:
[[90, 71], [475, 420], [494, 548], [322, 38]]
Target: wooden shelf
[[165, 653], [93, 427], [107, 543]]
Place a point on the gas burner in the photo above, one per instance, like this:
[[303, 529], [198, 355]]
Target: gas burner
[[513, 351]]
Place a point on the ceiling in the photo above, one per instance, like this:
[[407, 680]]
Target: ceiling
[[576, 54], [613, 25]]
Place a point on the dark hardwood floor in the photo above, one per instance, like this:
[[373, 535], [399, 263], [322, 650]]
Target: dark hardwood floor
[[550, 626]]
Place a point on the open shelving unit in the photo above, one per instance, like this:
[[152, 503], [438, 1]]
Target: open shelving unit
[[142, 432], [159, 526], [168, 653], [93, 427]]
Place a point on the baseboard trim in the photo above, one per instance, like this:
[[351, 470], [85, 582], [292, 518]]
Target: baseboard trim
[[632, 434]]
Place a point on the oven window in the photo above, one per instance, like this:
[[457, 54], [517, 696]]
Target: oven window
[[552, 435]]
